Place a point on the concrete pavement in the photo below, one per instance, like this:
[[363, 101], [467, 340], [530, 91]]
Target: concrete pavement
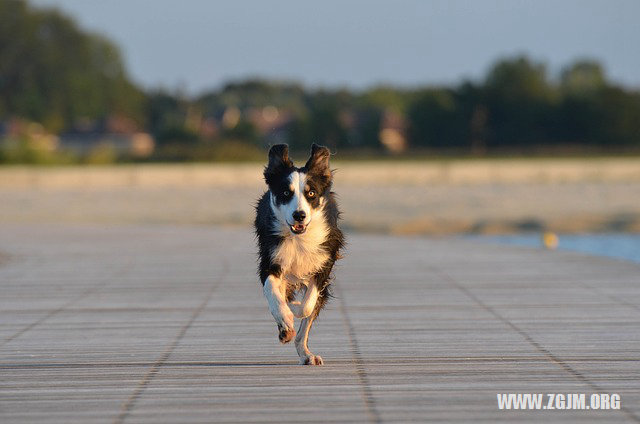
[[134, 323]]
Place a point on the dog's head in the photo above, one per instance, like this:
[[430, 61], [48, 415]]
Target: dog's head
[[298, 194]]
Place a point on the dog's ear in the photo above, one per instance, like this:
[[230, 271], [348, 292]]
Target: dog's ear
[[278, 160], [318, 163]]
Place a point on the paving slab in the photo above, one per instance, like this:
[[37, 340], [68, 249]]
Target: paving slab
[[157, 323]]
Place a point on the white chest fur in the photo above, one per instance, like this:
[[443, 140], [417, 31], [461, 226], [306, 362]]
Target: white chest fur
[[302, 255]]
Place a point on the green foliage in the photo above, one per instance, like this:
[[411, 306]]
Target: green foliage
[[176, 135], [515, 79], [386, 97], [100, 155], [164, 111], [226, 150], [29, 150], [367, 127], [521, 102], [436, 120], [244, 130], [324, 120], [518, 106], [583, 77], [254, 94], [232, 150], [54, 73]]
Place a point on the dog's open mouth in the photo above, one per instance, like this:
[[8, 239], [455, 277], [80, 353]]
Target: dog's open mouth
[[298, 228]]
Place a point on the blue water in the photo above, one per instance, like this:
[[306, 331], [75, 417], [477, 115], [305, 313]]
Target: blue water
[[620, 246]]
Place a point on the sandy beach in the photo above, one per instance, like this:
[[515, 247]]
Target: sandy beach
[[428, 197]]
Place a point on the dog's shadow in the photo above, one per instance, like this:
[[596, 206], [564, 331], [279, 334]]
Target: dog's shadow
[[230, 364]]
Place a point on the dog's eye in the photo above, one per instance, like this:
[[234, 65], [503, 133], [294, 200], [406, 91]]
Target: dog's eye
[[287, 193], [311, 193]]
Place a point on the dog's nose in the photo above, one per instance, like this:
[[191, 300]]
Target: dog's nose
[[299, 216]]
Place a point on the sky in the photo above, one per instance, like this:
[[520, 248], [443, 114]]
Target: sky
[[198, 45]]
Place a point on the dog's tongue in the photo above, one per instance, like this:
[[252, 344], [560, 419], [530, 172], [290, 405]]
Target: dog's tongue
[[298, 227]]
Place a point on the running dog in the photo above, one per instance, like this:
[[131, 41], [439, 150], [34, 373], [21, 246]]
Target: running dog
[[299, 241]]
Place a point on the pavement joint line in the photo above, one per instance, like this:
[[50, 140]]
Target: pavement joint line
[[129, 404], [91, 290], [405, 361], [369, 400], [551, 357]]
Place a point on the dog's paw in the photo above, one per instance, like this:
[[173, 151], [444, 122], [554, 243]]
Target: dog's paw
[[286, 334], [311, 360]]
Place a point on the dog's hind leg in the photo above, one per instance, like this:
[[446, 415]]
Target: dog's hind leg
[[305, 307], [302, 339], [275, 292], [306, 357]]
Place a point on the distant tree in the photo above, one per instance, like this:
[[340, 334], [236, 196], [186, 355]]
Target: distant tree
[[55, 73], [324, 122], [474, 117], [243, 131], [583, 84], [254, 93], [611, 117], [520, 103], [166, 113], [371, 107], [594, 112], [436, 120], [386, 97], [582, 77], [365, 131]]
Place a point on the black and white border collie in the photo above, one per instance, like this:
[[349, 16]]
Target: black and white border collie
[[299, 241]]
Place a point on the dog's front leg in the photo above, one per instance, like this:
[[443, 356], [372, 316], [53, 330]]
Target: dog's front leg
[[274, 290]]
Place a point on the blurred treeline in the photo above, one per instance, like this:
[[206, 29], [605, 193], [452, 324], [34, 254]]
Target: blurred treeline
[[68, 90]]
